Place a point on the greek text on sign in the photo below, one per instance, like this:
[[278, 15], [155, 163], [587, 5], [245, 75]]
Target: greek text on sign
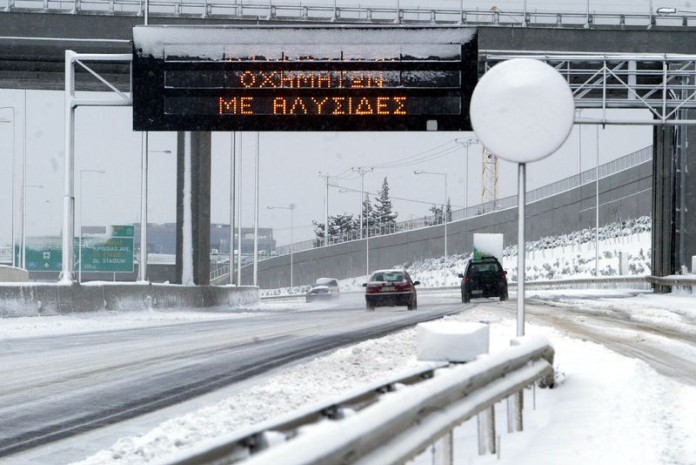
[[303, 78]]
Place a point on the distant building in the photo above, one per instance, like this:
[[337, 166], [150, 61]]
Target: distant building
[[161, 239]]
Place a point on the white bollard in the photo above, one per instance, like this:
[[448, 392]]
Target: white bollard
[[451, 341]]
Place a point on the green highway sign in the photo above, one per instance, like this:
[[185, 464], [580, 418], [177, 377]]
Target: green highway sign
[[122, 230], [112, 253], [43, 257]]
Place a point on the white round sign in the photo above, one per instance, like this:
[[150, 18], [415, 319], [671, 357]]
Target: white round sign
[[522, 110]]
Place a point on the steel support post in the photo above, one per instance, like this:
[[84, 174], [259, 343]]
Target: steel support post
[[515, 404], [486, 431], [67, 274], [521, 200], [142, 262], [443, 450]]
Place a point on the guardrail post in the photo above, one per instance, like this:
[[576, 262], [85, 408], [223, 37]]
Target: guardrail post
[[486, 431], [443, 450], [515, 404]]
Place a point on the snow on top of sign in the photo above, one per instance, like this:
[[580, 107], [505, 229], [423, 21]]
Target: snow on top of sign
[[216, 42]]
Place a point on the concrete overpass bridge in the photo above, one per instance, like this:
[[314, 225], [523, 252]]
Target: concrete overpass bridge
[[643, 61]]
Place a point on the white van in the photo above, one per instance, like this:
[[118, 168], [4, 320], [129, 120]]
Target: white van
[[331, 283]]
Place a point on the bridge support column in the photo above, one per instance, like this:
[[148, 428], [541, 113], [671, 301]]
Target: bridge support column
[[193, 208], [663, 217], [688, 232]]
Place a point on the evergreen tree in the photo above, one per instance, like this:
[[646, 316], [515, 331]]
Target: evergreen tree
[[384, 216], [368, 215], [436, 217], [319, 232], [341, 227], [448, 210]]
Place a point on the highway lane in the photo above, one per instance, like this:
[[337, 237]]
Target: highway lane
[[58, 386], [669, 349]]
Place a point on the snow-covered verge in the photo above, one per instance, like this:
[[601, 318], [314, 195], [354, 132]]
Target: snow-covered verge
[[56, 325], [554, 257], [607, 409]]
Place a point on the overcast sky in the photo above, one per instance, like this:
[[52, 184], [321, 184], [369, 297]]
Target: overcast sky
[[289, 168]]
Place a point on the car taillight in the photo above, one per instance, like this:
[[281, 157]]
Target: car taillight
[[503, 278], [372, 288], [402, 286], [467, 278]]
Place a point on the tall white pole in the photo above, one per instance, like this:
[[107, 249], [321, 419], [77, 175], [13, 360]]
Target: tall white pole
[[446, 218], [256, 216], [597, 208], [292, 243], [466, 184], [79, 245], [12, 195], [367, 249], [233, 165], [142, 266], [50, 216], [68, 264], [239, 228], [327, 237], [187, 267], [362, 172], [14, 148], [580, 148], [362, 202], [22, 257], [521, 200]]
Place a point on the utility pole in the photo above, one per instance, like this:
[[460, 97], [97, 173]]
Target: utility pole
[[362, 171], [326, 208]]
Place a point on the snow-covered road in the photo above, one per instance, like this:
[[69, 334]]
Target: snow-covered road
[[54, 387], [656, 329]]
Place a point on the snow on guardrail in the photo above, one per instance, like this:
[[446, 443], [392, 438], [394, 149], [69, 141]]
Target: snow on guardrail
[[393, 421]]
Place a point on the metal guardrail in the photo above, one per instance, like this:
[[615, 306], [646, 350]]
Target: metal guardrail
[[634, 282], [672, 281], [391, 422], [335, 11], [639, 282]]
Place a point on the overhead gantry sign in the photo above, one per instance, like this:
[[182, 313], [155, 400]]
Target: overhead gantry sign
[[303, 78]]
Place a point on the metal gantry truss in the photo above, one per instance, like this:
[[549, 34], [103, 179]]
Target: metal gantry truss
[[387, 11], [663, 84]]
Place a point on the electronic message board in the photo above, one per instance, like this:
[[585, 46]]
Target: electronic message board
[[310, 78]]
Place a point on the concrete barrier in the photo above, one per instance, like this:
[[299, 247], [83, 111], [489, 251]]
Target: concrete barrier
[[10, 274], [37, 299]]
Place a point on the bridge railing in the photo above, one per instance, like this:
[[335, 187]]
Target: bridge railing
[[279, 10], [393, 421]]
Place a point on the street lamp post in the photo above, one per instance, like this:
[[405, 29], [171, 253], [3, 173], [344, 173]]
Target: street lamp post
[[290, 207], [362, 172], [466, 143], [142, 261], [326, 209], [79, 252], [2, 120], [50, 215], [23, 256], [445, 219]]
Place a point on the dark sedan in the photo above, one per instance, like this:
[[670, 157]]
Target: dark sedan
[[390, 288]]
